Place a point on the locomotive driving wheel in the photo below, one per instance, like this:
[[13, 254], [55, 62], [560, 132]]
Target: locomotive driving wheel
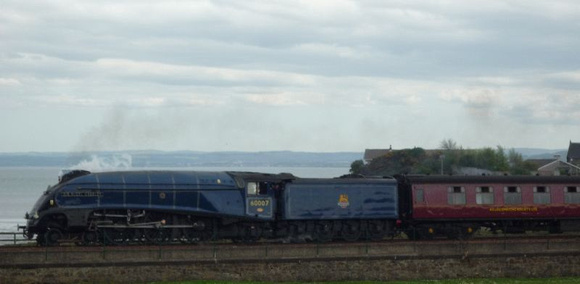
[[40, 239], [189, 236], [52, 237], [350, 231], [324, 231], [116, 236], [89, 238], [376, 231], [250, 233], [156, 234], [200, 230]]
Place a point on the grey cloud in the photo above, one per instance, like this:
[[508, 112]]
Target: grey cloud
[[426, 40], [381, 61]]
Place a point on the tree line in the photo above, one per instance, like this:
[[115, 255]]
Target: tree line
[[449, 159]]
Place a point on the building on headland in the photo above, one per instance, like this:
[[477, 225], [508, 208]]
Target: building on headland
[[371, 154], [573, 156]]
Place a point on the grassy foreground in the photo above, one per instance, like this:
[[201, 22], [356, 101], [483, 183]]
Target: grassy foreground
[[454, 281]]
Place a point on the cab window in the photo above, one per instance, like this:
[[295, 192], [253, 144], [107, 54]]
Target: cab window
[[257, 188], [252, 188]]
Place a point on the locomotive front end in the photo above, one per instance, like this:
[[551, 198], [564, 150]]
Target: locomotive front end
[[45, 210], [34, 217]]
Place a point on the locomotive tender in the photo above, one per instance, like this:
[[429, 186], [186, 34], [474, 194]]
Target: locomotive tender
[[166, 206]]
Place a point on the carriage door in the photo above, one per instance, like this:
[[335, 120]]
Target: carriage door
[[259, 201]]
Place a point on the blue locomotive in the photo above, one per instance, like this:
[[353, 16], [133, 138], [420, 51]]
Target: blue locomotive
[[169, 206]]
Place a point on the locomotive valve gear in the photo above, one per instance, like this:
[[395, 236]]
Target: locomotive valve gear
[[199, 226]]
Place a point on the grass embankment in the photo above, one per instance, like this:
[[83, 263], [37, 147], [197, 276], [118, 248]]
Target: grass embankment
[[454, 281]]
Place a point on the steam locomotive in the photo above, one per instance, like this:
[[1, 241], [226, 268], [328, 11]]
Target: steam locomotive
[[153, 207]]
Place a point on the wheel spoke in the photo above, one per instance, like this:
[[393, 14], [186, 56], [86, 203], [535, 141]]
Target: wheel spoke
[[350, 232], [324, 232], [376, 231], [115, 236], [89, 238], [52, 237]]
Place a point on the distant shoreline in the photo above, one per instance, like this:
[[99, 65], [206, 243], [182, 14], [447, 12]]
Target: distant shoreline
[[181, 159], [169, 159]]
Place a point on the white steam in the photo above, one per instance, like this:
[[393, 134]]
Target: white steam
[[102, 164]]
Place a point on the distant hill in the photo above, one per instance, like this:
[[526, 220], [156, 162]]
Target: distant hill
[[536, 153], [181, 159]]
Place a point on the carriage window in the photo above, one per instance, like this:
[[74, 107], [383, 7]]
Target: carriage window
[[541, 195], [512, 195], [541, 189], [484, 195], [456, 195], [419, 197], [571, 195]]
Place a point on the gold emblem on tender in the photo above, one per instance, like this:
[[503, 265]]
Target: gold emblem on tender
[[343, 201]]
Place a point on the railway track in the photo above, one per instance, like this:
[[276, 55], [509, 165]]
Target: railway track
[[399, 241]]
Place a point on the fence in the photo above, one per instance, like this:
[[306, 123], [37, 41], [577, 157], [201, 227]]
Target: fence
[[13, 238]]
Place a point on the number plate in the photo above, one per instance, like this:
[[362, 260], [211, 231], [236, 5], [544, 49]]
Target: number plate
[[260, 207]]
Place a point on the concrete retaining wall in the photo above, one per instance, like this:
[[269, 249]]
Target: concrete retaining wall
[[378, 262]]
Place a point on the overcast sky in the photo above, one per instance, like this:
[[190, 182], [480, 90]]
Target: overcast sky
[[287, 75]]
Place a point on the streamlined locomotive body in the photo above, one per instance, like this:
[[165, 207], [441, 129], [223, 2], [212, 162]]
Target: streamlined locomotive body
[[161, 206]]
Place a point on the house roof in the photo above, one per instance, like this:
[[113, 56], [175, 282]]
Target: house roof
[[558, 164], [573, 151], [371, 154], [540, 162]]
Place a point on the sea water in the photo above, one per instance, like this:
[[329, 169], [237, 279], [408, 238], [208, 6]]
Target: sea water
[[20, 187]]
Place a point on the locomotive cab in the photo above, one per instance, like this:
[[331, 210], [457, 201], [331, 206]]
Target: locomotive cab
[[260, 200]]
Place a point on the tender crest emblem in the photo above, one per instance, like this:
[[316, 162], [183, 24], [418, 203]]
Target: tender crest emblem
[[343, 201]]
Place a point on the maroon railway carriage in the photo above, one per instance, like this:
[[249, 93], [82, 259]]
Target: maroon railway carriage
[[457, 206]]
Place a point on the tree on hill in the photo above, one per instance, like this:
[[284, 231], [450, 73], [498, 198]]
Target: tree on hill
[[449, 159], [448, 144], [357, 167], [517, 164], [406, 161]]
